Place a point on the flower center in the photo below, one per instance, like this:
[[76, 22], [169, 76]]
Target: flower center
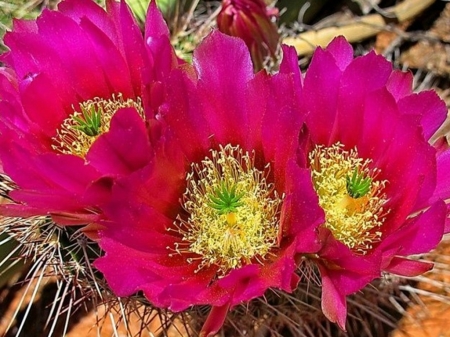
[[80, 130], [233, 213], [351, 196]]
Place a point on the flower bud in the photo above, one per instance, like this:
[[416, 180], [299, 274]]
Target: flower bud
[[251, 21]]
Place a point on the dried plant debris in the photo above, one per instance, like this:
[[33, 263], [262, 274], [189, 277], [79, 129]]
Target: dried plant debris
[[363, 6], [432, 52]]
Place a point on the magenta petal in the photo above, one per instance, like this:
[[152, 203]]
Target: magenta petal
[[88, 10], [352, 98], [24, 26], [257, 109], [114, 66], [350, 272], [182, 114], [19, 210], [253, 280], [65, 218], [320, 95], [301, 209], [223, 87], [49, 202], [85, 72], [334, 303], [69, 172], [406, 267], [215, 320], [162, 58], [125, 148], [61, 217], [19, 56], [341, 50], [288, 279], [130, 40], [8, 81], [289, 65], [357, 72], [376, 140], [342, 273], [155, 26], [15, 161], [429, 107], [447, 221], [120, 30], [442, 190], [238, 278], [136, 235], [414, 156], [395, 136], [400, 84], [159, 184], [113, 267], [280, 130], [281, 273], [99, 191], [30, 55], [12, 116], [42, 104], [54, 184], [49, 170], [420, 235]]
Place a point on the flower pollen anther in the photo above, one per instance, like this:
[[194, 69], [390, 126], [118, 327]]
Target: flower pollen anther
[[233, 213], [350, 194], [80, 130]]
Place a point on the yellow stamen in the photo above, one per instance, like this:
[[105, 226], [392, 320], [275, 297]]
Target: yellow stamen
[[354, 221], [71, 139], [227, 233]]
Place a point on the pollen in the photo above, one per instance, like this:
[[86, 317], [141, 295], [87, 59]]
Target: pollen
[[350, 194], [90, 120], [233, 213]]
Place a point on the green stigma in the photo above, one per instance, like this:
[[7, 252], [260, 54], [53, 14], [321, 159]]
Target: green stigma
[[225, 199], [358, 185], [89, 121]]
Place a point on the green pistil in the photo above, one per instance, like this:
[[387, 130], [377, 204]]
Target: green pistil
[[90, 121], [225, 199], [358, 185]]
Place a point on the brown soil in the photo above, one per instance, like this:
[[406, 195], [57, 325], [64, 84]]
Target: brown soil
[[431, 317]]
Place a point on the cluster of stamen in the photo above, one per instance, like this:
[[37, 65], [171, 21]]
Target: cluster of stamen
[[350, 194], [80, 130], [232, 212]]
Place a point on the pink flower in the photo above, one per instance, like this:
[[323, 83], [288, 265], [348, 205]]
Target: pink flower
[[77, 84], [379, 181], [251, 21], [222, 210]]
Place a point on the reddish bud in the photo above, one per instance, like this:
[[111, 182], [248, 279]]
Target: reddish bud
[[251, 21]]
